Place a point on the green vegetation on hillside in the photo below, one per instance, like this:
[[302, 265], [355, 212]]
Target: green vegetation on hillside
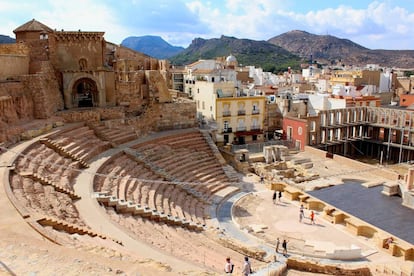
[[248, 52]]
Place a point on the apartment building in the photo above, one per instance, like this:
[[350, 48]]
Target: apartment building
[[240, 117], [235, 109]]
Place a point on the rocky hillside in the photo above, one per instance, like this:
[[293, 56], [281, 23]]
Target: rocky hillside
[[248, 52], [332, 50], [153, 46], [6, 39]]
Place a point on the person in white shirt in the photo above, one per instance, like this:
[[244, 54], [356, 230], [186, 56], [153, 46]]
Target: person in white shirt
[[228, 267], [247, 268]]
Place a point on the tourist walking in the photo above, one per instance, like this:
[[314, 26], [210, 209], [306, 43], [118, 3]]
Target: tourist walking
[[274, 197], [284, 246], [301, 213], [277, 245], [280, 196], [229, 266], [247, 267], [261, 179], [312, 217]]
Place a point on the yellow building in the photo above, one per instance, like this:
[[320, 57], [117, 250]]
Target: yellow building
[[240, 119], [346, 78], [238, 113]]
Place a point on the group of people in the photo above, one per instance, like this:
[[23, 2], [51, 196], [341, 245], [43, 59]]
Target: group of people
[[247, 267], [302, 215], [284, 246]]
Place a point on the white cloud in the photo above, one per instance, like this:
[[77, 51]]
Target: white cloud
[[86, 15], [377, 24]]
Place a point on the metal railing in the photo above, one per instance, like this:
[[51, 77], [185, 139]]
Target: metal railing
[[226, 113]]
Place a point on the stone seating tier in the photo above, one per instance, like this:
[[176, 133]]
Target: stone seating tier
[[47, 163], [114, 135], [77, 143], [71, 228], [125, 207], [44, 200], [45, 181]]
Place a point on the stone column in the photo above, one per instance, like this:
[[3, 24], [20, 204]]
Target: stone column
[[410, 179], [68, 99]]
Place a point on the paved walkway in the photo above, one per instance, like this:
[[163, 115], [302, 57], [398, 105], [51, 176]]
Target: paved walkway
[[282, 220], [10, 220]]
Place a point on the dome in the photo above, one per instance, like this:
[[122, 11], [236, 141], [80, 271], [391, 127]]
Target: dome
[[231, 59]]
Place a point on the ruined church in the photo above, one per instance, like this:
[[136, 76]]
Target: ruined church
[[79, 76]]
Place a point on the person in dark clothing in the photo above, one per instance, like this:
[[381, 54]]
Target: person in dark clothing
[[284, 246]]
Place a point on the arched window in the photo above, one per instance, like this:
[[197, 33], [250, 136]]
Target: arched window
[[83, 64]]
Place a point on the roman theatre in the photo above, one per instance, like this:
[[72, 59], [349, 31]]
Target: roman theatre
[[105, 171]]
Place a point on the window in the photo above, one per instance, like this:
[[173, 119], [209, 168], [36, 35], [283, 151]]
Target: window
[[240, 125], [289, 133], [255, 108], [313, 126], [226, 125], [83, 64], [203, 106], [241, 110], [255, 124], [300, 130]]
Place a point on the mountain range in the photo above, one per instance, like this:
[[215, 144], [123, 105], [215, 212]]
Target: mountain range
[[153, 46], [288, 49], [329, 49], [6, 39]]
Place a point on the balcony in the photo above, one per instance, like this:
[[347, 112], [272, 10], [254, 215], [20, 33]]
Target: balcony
[[255, 111], [228, 130], [255, 128], [243, 128], [226, 113], [241, 112]]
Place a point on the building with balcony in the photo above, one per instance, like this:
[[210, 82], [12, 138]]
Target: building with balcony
[[240, 118]]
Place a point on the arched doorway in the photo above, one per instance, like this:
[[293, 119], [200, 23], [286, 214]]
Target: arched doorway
[[85, 93]]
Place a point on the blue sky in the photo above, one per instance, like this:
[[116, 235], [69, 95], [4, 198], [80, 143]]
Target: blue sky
[[381, 24]]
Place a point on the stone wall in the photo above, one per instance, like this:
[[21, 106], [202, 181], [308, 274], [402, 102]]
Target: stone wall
[[158, 89], [131, 90], [92, 115], [14, 60], [165, 116], [13, 65], [140, 60], [309, 266], [44, 89]]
